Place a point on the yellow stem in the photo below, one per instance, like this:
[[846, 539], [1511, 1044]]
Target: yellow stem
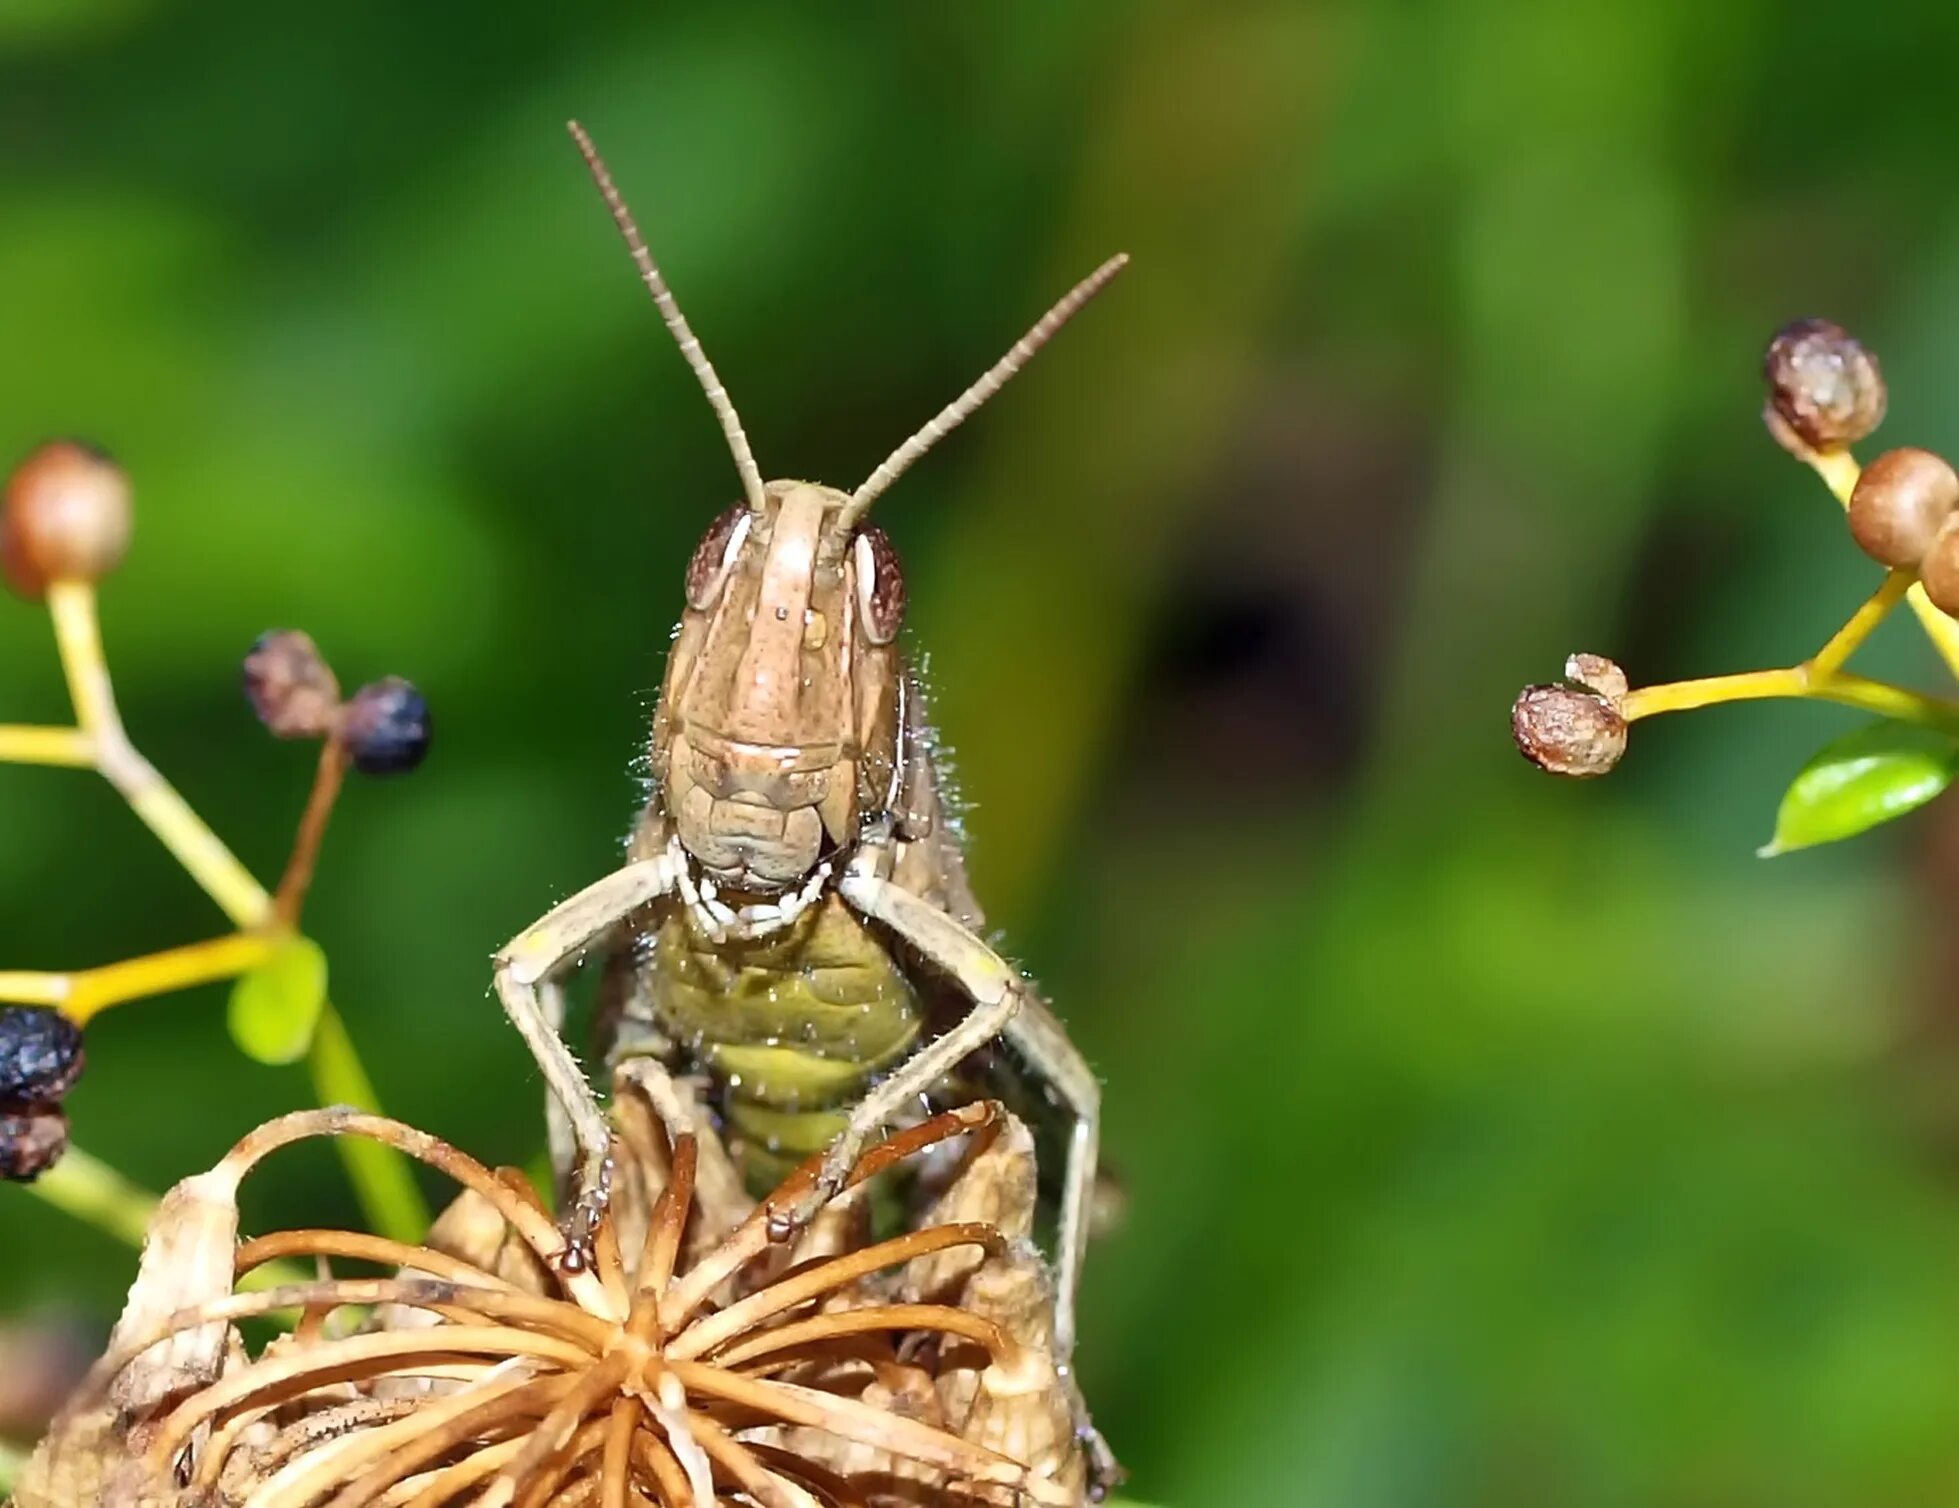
[[1839, 471], [20, 987], [1847, 640], [62, 746], [95, 990], [380, 1177], [1797, 681], [78, 637]]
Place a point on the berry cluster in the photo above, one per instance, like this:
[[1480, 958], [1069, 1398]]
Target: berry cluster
[[384, 727], [65, 523], [1825, 392]]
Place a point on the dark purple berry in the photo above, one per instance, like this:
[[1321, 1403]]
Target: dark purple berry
[[40, 1053], [385, 727], [32, 1139]]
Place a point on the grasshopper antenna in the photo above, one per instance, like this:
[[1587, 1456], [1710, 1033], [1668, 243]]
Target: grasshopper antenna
[[676, 322], [954, 413]]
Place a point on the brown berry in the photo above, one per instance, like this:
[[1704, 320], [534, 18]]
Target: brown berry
[[32, 1139], [1901, 501], [1567, 731], [1824, 384], [67, 517], [1939, 570], [1596, 673], [290, 687]]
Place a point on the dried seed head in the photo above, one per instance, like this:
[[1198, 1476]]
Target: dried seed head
[[633, 1381], [290, 687], [66, 517], [1824, 384], [32, 1139], [386, 727], [1939, 569], [1567, 731], [40, 1053], [1901, 501]]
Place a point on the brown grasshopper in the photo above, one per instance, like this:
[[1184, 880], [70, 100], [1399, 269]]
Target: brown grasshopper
[[794, 920]]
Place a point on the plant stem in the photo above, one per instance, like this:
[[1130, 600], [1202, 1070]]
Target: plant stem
[[388, 1194], [1797, 681], [58, 746], [294, 883], [382, 1182], [96, 1194], [1839, 471], [1847, 640]]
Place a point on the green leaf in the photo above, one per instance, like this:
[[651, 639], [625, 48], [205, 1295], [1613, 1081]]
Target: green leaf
[[1860, 780], [275, 1008]]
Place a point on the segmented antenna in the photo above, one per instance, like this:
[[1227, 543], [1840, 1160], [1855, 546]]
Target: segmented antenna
[[950, 417], [676, 322]]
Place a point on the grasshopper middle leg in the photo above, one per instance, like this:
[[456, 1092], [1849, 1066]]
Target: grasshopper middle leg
[[1002, 1006]]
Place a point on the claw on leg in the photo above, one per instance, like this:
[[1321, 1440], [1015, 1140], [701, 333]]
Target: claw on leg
[[586, 1212]]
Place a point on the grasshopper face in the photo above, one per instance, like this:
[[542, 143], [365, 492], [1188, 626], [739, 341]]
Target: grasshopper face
[[778, 725]]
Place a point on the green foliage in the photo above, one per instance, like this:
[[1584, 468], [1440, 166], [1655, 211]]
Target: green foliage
[[275, 1008], [1486, 1140], [1860, 780]]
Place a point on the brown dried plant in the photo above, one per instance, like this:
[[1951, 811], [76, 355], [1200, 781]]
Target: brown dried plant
[[738, 1358]]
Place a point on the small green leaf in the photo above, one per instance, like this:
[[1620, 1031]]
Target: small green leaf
[[275, 1008], [1860, 780]]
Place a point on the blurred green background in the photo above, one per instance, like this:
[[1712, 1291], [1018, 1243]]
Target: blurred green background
[[1488, 1140]]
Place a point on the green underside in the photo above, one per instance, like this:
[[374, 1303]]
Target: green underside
[[793, 1028]]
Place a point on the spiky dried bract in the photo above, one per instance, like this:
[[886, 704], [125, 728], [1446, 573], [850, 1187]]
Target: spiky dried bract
[[1567, 731], [1823, 384], [656, 1379]]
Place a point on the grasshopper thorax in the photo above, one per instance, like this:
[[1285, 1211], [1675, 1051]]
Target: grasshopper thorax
[[778, 725]]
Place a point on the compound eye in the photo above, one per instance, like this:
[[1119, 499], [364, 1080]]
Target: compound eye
[[707, 572], [880, 585]]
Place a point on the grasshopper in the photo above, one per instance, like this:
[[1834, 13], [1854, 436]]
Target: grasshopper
[[793, 920]]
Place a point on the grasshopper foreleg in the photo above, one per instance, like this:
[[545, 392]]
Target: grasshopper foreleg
[[525, 969]]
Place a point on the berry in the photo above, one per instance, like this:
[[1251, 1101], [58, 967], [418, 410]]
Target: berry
[[40, 1053], [66, 517], [1939, 570], [1596, 673], [1566, 731], [1823, 384], [290, 687], [385, 727], [1901, 501], [32, 1139]]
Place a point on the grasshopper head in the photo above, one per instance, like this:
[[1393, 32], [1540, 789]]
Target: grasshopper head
[[777, 726]]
